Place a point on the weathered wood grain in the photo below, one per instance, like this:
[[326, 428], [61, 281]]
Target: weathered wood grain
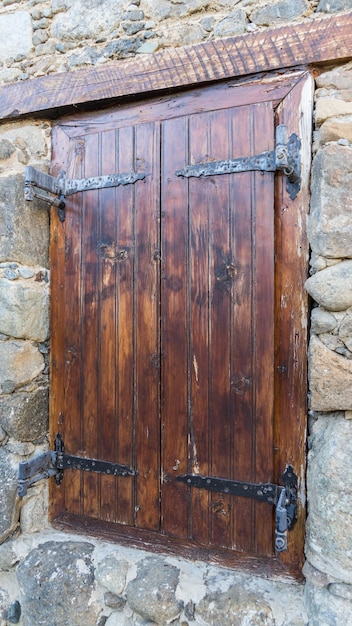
[[313, 41]]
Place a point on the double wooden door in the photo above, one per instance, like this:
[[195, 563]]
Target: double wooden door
[[167, 321]]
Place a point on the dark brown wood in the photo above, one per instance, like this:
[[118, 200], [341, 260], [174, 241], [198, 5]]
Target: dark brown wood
[[317, 40], [164, 303], [155, 542]]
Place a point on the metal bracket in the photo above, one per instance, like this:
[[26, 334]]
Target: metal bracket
[[53, 463], [283, 497], [285, 158], [40, 185]]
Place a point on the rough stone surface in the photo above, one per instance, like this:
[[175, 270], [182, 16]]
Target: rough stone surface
[[24, 229], [152, 593], [345, 330], [327, 609], [332, 6], [335, 129], [331, 107], [282, 11], [15, 34], [24, 415], [338, 78], [322, 321], [237, 607], [234, 24], [8, 494], [330, 220], [57, 581], [24, 309], [330, 379], [85, 19], [329, 546], [20, 362], [332, 287], [111, 573]]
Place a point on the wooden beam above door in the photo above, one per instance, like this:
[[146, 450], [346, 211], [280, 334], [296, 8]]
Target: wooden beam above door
[[314, 41]]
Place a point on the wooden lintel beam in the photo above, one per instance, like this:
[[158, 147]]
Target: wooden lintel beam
[[316, 40]]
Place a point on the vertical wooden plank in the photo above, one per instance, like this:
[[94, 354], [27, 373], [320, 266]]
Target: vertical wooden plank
[[125, 313], [198, 270], [73, 336], [90, 327], [222, 277], [174, 348], [107, 259], [147, 320], [262, 191], [291, 313]]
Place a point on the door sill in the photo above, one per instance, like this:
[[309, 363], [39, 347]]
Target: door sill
[[149, 541]]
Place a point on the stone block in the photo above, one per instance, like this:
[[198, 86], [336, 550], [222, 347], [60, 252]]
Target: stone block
[[326, 609], [333, 6], [330, 379], [339, 78], [332, 287], [24, 309], [15, 34], [24, 416], [85, 19], [345, 330], [282, 11], [330, 219], [20, 362], [8, 495], [327, 107], [234, 24], [334, 129], [329, 484], [24, 228], [161, 9], [152, 595], [111, 573], [57, 582], [183, 34], [322, 321], [236, 606]]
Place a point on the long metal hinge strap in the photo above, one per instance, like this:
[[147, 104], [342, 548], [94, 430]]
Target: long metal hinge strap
[[283, 497], [52, 463], [285, 158], [39, 185]]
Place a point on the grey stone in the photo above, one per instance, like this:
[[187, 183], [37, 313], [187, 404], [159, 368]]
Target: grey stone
[[237, 607], [41, 24], [40, 36], [325, 609], [133, 16], [330, 379], [57, 581], [184, 34], [332, 6], [133, 28], [88, 56], [24, 228], [322, 321], [20, 362], [26, 272], [85, 19], [122, 48], [4, 602], [24, 309], [341, 590], [15, 34], [345, 330], [148, 47], [8, 495], [282, 11], [337, 129], [9, 74], [6, 149], [330, 220], [338, 78], [24, 415], [113, 601], [161, 9], [11, 275], [153, 593], [234, 24], [332, 287], [208, 23], [8, 557], [111, 574], [329, 483]]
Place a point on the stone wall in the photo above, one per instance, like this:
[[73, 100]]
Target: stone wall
[[58, 579]]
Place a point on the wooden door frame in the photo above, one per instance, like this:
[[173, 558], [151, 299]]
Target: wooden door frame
[[313, 42]]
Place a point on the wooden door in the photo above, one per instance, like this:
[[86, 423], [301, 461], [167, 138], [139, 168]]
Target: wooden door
[[170, 297]]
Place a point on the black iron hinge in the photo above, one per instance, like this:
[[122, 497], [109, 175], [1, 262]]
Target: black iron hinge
[[283, 497], [54, 191], [285, 158], [54, 462]]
